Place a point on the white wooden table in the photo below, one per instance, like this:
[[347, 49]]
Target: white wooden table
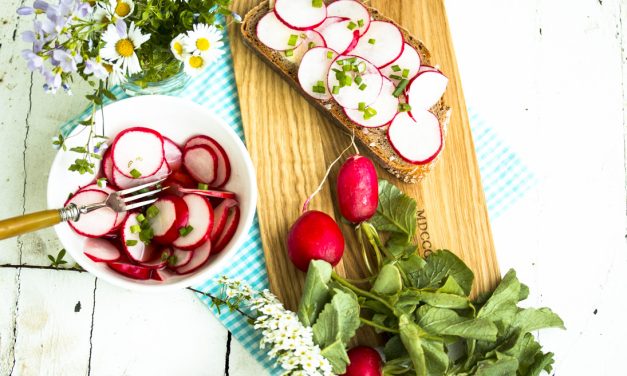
[[548, 76]]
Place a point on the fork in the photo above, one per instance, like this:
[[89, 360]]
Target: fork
[[119, 202]]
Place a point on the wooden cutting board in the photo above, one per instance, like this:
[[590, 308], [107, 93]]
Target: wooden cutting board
[[292, 144]]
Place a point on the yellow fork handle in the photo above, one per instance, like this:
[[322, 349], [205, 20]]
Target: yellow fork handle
[[28, 223]]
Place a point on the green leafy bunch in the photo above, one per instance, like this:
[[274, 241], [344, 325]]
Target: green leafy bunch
[[423, 307]]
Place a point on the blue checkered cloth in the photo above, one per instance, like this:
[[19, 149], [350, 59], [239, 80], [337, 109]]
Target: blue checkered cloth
[[505, 180]]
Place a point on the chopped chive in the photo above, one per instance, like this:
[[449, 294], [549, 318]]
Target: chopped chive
[[362, 106], [152, 212], [396, 68], [361, 67], [347, 68], [351, 59], [320, 83], [348, 81], [293, 39], [351, 25], [372, 41], [203, 186], [135, 174], [404, 107], [135, 229], [102, 182], [311, 45], [319, 89], [146, 235], [316, 3], [329, 55], [401, 86], [140, 218], [131, 243], [360, 23], [405, 73], [396, 77], [164, 256], [184, 231], [358, 80], [289, 53], [363, 87], [369, 113], [340, 62], [144, 190], [172, 260], [303, 35], [336, 89]]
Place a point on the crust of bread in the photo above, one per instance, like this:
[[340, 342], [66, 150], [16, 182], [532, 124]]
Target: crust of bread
[[373, 139]]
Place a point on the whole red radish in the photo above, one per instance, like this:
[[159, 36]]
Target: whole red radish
[[365, 361], [314, 236], [357, 189]]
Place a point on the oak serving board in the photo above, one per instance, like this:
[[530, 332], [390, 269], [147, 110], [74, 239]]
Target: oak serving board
[[292, 144]]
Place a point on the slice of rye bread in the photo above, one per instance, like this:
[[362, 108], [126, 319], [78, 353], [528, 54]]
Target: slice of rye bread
[[374, 139]]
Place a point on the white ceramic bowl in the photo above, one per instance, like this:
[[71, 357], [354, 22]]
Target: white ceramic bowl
[[179, 120]]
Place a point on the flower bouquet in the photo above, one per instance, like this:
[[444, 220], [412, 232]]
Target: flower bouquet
[[135, 43]]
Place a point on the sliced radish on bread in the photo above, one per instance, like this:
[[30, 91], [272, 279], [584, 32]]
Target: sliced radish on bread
[[353, 10], [199, 225], [405, 67], [202, 163], [124, 182], [417, 140], [101, 250], [136, 249], [97, 223], [138, 152], [180, 257], [363, 87], [275, 34], [381, 44], [314, 39], [200, 255], [173, 214], [340, 37], [232, 221], [173, 154], [131, 271], [221, 214], [312, 72], [426, 89], [383, 110], [329, 21], [224, 165], [300, 14]]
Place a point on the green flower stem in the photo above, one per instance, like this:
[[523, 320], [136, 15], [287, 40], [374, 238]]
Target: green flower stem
[[364, 255], [219, 301], [380, 327], [361, 292]]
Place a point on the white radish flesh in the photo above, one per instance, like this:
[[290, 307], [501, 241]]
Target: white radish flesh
[[409, 61], [208, 192], [173, 214], [221, 214], [353, 10], [417, 141], [382, 44], [224, 165], [232, 222], [314, 39], [386, 107], [313, 71], [107, 166], [101, 250], [136, 249], [94, 224], [276, 35], [180, 257], [199, 258], [138, 151], [200, 220], [329, 21], [124, 182], [300, 14], [426, 90], [159, 260], [202, 163], [173, 154], [340, 38], [351, 96]]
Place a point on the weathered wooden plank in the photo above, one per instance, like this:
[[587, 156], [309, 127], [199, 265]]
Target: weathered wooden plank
[[54, 315], [9, 294], [155, 334]]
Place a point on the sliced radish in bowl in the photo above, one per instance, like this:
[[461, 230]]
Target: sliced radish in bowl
[[357, 89], [417, 141], [276, 35], [107, 166], [124, 182], [199, 224], [383, 110], [173, 154], [180, 258], [405, 67], [97, 223], [136, 249], [312, 72], [160, 259], [173, 214], [314, 39], [382, 44], [202, 163], [232, 221], [137, 162], [353, 10], [426, 89], [221, 214], [224, 165], [208, 193], [101, 250], [340, 37], [131, 271], [300, 14], [199, 258]]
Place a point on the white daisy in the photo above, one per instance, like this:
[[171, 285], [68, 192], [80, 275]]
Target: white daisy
[[195, 63], [177, 46], [121, 8], [206, 40], [115, 73], [121, 44], [101, 14]]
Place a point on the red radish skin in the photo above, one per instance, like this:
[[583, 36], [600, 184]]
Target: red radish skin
[[101, 250], [173, 214], [357, 189], [232, 221], [97, 223], [199, 259], [132, 271], [127, 156], [200, 219], [173, 154], [314, 236], [224, 165], [209, 193], [107, 166], [182, 179], [364, 361], [221, 215]]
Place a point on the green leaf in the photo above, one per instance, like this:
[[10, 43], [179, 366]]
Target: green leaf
[[316, 292], [394, 348], [52, 259], [451, 287], [396, 211], [501, 307], [440, 265], [413, 296], [338, 320], [388, 281], [530, 319], [400, 246], [427, 353], [446, 322], [336, 354], [500, 366]]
